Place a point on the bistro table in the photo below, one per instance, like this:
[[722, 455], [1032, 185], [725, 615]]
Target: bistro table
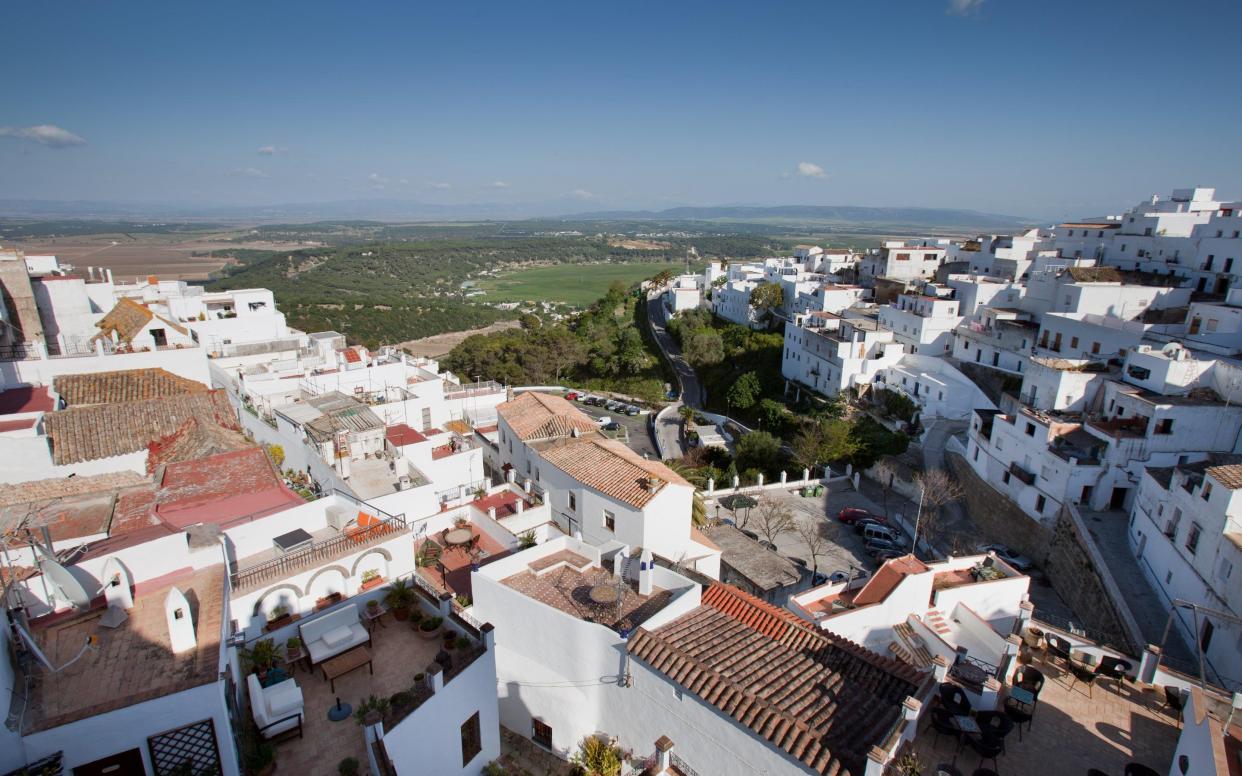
[[1022, 695], [294, 540], [966, 724], [458, 536]]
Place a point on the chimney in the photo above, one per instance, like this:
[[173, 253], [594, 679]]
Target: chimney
[[653, 483], [180, 625], [646, 570], [575, 433], [117, 585]]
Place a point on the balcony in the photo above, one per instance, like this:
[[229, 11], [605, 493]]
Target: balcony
[[328, 545], [1021, 474]]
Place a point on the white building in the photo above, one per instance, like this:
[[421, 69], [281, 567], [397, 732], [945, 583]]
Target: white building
[[598, 488], [924, 324], [1186, 534], [936, 388], [903, 260], [657, 625], [828, 354]]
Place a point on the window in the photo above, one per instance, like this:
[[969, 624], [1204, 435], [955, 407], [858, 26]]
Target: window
[[537, 474], [1073, 342], [1164, 426], [1229, 262], [1206, 493], [1138, 372], [1005, 478], [541, 733], [528, 468], [1226, 568], [1095, 348], [1030, 429], [610, 520], [1039, 504], [976, 453], [1170, 530], [1192, 538], [471, 739], [573, 502], [903, 257]]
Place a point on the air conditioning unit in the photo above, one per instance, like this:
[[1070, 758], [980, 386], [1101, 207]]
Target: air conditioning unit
[[338, 517]]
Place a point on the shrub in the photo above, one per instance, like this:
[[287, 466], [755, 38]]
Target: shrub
[[347, 767]]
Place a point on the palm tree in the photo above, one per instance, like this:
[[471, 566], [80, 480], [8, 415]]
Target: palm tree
[[698, 509]]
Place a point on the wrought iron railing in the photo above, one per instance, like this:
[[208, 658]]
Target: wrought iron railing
[[680, 765], [966, 660], [319, 552]]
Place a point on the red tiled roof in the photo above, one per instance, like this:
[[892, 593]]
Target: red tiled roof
[[351, 356], [823, 700], [26, 398], [222, 489], [401, 434], [196, 438], [15, 425], [123, 385], [533, 415], [609, 467], [887, 578]]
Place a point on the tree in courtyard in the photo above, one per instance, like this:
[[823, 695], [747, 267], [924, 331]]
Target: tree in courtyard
[[885, 471], [816, 536], [771, 518], [822, 442], [745, 391], [937, 489], [758, 450], [766, 299]]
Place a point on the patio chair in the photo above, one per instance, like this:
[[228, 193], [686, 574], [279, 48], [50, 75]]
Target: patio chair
[[987, 747], [995, 724], [1084, 674], [1058, 648], [1019, 713], [1113, 668], [954, 700], [942, 723], [1174, 700], [1029, 679]]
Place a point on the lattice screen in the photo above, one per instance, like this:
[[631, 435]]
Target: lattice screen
[[193, 744]]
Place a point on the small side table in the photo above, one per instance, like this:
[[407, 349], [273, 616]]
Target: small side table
[[374, 617], [296, 656]]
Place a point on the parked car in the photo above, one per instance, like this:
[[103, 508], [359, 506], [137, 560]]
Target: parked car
[[851, 515], [751, 534], [877, 546], [861, 524], [818, 579], [768, 544], [800, 561], [613, 426], [875, 531], [887, 555], [591, 400], [632, 410], [571, 395], [612, 405], [843, 576], [603, 421], [1020, 562]]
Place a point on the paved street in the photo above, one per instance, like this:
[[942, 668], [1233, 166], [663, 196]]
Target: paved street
[[668, 428]]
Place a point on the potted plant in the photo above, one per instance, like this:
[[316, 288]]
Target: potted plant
[[597, 756], [461, 521], [479, 493], [348, 767], [293, 645], [371, 578], [261, 760], [398, 598], [419, 678], [460, 643], [527, 540], [260, 657], [278, 618], [430, 627], [372, 607], [416, 617]]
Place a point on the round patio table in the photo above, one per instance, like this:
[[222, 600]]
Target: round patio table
[[458, 536]]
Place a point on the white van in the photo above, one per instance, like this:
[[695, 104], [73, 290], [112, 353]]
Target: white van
[[875, 531]]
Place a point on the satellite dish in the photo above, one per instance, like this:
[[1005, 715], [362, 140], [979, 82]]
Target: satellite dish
[[66, 585]]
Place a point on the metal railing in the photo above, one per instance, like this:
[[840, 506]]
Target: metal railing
[[680, 765], [987, 668], [319, 552]]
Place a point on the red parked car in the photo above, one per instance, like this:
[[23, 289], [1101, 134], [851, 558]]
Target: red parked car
[[851, 515], [572, 395]]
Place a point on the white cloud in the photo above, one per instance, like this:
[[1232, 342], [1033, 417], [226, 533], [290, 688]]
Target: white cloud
[[377, 181], [250, 172], [271, 150], [581, 194], [404, 182], [809, 170], [440, 185], [964, 7], [497, 185], [49, 135]]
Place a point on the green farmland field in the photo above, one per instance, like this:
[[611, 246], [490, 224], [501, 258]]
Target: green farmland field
[[574, 284]]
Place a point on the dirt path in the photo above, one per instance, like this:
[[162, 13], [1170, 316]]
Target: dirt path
[[439, 344]]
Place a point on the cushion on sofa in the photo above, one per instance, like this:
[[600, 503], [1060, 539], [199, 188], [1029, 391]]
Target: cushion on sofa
[[337, 636], [283, 699]]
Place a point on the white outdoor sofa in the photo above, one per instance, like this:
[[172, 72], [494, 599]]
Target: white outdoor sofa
[[276, 709], [331, 634]]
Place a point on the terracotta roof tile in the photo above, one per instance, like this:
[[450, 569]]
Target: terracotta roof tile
[[123, 385], [106, 430], [196, 438], [887, 579], [1230, 475], [823, 700], [533, 415], [62, 487], [125, 320], [609, 467]]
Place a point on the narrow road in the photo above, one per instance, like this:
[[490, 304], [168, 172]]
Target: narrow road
[[954, 522], [668, 426]]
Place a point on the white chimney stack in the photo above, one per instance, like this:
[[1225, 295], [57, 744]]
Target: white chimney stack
[[180, 624], [646, 572], [116, 585]]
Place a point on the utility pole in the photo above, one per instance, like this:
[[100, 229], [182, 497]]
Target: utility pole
[[918, 515]]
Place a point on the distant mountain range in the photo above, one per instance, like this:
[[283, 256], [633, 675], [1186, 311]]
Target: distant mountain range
[[844, 214], [393, 210]]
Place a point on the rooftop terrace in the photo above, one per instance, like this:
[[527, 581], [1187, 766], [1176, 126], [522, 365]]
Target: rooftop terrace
[[567, 581]]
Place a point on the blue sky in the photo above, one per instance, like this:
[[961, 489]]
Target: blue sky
[[1042, 108]]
